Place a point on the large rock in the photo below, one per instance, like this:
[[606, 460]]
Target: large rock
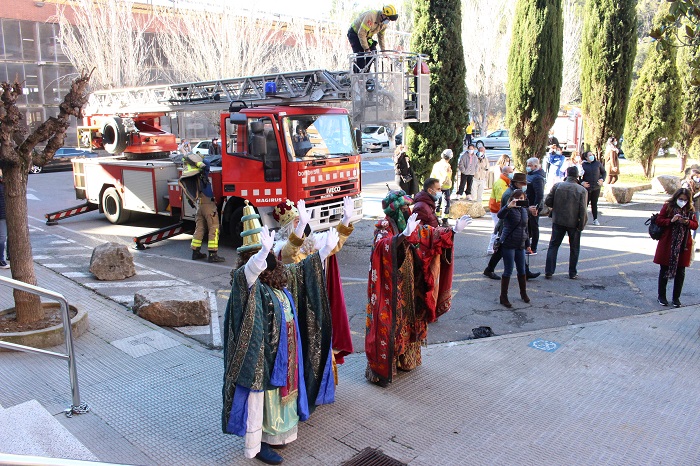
[[668, 184], [112, 261], [622, 194], [173, 307], [459, 208]]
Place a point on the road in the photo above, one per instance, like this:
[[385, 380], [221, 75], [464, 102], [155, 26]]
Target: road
[[617, 277]]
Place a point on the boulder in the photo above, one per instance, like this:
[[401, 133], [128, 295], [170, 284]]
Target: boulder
[[461, 207], [173, 307], [668, 184], [622, 194], [112, 261]]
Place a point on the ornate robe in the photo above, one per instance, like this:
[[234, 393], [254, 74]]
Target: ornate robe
[[409, 286], [271, 359]]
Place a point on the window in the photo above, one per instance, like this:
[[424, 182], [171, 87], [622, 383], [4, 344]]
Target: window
[[30, 44], [319, 136]]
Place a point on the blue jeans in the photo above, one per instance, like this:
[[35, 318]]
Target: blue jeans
[[558, 233], [511, 257], [3, 238]]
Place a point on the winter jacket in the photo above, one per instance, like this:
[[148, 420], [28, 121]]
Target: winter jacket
[[535, 187], [424, 206], [367, 25], [482, 168], [442, 171], [2, 201], [568, 201], [663, 249], [514, 231], [592, 172], [468, 163], [497, 190]]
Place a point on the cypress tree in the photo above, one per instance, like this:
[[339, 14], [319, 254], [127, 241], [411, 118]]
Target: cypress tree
[[655, 107], [437, 33], [690, 124], [607, 61], [534, 76]]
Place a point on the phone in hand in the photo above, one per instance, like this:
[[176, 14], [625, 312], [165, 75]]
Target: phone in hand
[[521, 203]]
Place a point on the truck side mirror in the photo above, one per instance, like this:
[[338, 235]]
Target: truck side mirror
[[358, 139], [238, 118]]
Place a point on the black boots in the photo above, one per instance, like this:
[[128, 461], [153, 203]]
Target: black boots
[[678, 286], [530, 275], [663, 281], [522, 281], [214, 257], [505, 281], [490, 273], [196, 255]]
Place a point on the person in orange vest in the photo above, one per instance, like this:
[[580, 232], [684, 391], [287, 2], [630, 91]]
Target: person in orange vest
[[362, 31]]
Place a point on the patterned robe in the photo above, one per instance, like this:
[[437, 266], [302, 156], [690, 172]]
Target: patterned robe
[[409, 286]]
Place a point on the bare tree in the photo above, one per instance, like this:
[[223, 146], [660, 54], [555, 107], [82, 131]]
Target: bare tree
[[218, 43], [486, 32], [571, 75], [109, 36], [17, 154]]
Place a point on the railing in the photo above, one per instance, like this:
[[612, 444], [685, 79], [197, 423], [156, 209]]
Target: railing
[[77, 407]]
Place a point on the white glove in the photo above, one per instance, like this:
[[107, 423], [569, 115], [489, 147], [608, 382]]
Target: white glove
[[304, 217], [319, 241], [463, 222], [411, 224], [331, 242], [258, 261], [348, 210]]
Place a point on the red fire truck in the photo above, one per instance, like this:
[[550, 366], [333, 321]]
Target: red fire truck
[[568, 129], [291, 146]]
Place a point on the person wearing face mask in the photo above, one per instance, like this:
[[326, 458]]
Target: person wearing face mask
[[592, 179], [514, 241], [612, 161], [535, 198], [556, 169], [499, 187], [426, 200], [442, 171], [468, 163], [362, 31], [674, 248]]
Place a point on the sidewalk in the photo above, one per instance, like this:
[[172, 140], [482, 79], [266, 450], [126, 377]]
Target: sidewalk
[[621, 391]]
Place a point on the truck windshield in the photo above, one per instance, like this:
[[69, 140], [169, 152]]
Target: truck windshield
[[319, 136]]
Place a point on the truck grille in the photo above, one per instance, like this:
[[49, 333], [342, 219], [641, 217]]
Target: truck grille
[[329, 191]]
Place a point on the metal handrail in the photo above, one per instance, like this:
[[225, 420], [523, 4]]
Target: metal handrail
[[77, 407]]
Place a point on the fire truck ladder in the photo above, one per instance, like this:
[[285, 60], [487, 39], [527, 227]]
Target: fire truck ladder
[[289, 88]]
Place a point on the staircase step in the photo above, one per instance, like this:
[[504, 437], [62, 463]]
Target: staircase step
[[29, 429]]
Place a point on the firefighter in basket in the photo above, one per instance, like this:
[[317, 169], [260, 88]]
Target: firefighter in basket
[[199, 193], [362, 31]]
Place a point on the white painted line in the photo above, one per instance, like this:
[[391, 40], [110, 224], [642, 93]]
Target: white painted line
[[141, 284], [68, 248], [124, 298], [195, 330], [145, 272], [55, 266], [38, 258], [76, 274], [62, 241], [214, 322]]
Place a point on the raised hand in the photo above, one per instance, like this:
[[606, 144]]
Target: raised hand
[[267, 239], [331, 242], [348, 210], [304, 217], [411, 224], [463, 222]]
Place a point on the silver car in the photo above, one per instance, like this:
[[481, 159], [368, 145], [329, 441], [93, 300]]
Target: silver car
[[497, 140]]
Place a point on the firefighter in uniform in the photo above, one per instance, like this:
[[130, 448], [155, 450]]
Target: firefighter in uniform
[[198, 190], [362, 31]]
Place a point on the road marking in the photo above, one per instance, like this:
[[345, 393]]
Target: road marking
[[214, 321], [123, 298], [55, 266], [76, 274], [634, 287], [141, 284]]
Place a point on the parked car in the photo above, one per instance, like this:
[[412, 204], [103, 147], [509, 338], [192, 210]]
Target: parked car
[[202, 147], [376, 135], [497, 140], [398, 136], [62, 160], [369, 146]]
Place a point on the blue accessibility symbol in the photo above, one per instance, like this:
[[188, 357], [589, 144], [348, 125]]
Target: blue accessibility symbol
[[544, 345]]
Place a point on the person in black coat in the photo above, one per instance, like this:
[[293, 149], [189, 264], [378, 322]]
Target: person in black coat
[[514, 240], [592, 179], [536, 179]]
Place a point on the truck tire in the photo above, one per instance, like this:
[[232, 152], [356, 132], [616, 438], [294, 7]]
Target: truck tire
[[236, 227], [113, 207], [114, 137]]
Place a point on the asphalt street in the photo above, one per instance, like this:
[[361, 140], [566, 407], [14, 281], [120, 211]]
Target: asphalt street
[[617, 276]]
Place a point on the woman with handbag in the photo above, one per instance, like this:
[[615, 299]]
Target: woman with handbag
[[612, 161], [677, 218], [403, 173], [514, 239]]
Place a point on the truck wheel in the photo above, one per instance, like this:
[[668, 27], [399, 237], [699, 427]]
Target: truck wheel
[[114, 136], [113, 208]]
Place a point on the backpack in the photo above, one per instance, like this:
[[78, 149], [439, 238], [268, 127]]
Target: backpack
[[655, 231]]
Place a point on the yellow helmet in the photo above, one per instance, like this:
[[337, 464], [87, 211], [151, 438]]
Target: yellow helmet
[[390, 12]]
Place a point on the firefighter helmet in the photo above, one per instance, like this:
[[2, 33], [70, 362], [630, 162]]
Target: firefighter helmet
[[390, 12]]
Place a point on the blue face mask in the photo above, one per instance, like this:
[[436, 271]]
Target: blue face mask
[[591, 158], [528, 169], [386, 21], [510, 175], [524, 188]]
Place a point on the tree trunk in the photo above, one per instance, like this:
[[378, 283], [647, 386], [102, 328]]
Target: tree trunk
[[27, 306], [684, 160], [648, 165]]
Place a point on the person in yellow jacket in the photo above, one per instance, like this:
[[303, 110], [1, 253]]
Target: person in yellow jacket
[[362, 31], [442, 171], [499, 187]]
